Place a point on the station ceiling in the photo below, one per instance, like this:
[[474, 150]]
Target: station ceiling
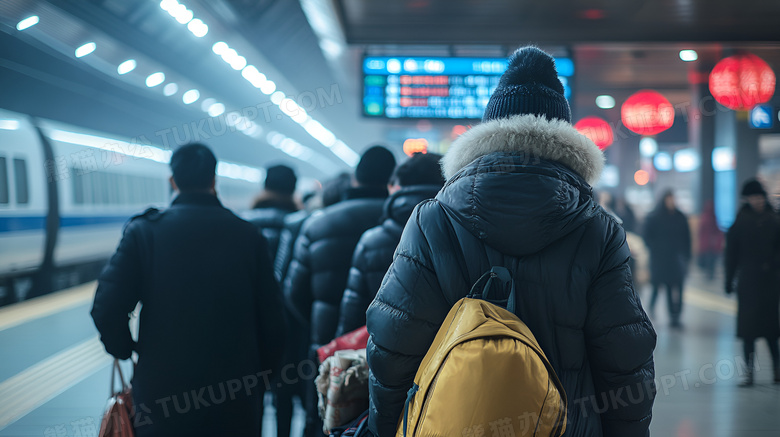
[[619, 46]]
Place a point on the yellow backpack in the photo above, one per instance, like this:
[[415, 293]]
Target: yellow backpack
[[484, 375]]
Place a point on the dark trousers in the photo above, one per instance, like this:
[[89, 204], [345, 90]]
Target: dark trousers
[[313, 422], [673, 298], [749, 348]]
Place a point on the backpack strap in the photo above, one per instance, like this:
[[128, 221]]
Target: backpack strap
[[498, 276]]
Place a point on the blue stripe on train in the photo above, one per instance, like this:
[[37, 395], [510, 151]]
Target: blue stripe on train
[[16, 224]]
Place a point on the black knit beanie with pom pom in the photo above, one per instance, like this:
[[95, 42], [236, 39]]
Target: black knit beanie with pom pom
[[530, 85]]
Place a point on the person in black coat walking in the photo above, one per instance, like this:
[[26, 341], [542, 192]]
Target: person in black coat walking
[[753, 260], [415, 180], [668, 237], [211, 328], [269, 215], [322, 257], [518, 195], [274, 204]]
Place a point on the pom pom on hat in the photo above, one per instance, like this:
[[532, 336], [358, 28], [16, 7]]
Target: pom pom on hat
[[530, 85]]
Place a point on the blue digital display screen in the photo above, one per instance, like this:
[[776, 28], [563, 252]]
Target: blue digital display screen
[[454, 88]]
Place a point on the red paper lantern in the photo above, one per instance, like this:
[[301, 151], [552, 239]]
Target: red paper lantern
[[742, 81], [597, 130], [647, 112]]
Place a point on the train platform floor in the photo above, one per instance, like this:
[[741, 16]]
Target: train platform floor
[[54, 374]]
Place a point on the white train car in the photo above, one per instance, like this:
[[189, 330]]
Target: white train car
[[66, 193]]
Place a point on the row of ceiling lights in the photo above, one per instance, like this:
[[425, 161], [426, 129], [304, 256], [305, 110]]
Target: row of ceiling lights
[[249, 72], [214, 108]]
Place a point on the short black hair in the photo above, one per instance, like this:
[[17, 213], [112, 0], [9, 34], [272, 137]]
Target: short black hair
[[193, 167], [419, 169]]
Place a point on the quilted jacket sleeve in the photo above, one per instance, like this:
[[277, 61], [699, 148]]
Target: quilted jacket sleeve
[[620, 341], [118, 292], [297, 283], [357, 296], [403, 320]]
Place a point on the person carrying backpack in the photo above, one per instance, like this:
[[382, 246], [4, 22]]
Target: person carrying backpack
[[518, 198]]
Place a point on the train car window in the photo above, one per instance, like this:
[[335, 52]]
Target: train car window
[[77, 183], [3, 181], [22, 184]]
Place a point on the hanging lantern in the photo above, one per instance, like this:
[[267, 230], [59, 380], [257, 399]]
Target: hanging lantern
[[415, 145], [597, 130], [647, 112], [742, 81]]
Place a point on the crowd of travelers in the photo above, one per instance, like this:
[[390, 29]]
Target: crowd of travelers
[[234, 307]]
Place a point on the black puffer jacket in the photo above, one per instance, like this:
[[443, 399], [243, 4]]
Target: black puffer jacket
[[322, 257], [520, 200], [268, 217], [374, 254]]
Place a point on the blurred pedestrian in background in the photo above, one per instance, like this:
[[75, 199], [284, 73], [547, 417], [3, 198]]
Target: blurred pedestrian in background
[[322, 257], [269, 212], [273, 204], [753, 260], [710, 240], [622, 209], [668, 237], [416, 179]]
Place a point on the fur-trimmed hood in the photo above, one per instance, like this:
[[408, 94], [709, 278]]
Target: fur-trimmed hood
[[519, 184], [553, 140]]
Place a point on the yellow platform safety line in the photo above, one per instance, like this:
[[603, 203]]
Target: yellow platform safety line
[[23, 312], [42, 382], [709, 301]]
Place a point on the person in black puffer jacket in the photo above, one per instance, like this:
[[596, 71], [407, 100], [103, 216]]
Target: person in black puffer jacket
[[322, 256], [274, 204], [518, 195], [417, 179]]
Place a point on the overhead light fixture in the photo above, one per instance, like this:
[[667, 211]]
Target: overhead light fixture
[[85, 49], [170, 89], [216, 109], [198, 28], [126, 67], [663, 161], [190, 96], [27, 23], [238, 62], [219, 47], [605, 102], [686, 160], [9, 124], [155, 79], [648, 147], [181, 13], [689, 55], [277, 97], [268, 87], [206, 104]]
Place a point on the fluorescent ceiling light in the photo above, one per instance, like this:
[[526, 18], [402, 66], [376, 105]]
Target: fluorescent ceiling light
[[648, 147], [206, 104], [155, 79], [27, 23], [662, 161], [277, 97], [689, 55], [198, 28], [85, 49], [190, 96], [216, 109], [268, 87], [219, 47], [605, 102], [170, 89], [238, 62], [126, 67], [9, 124]]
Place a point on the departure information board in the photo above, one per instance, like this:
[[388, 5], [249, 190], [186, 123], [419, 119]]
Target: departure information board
[[455, 88]]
